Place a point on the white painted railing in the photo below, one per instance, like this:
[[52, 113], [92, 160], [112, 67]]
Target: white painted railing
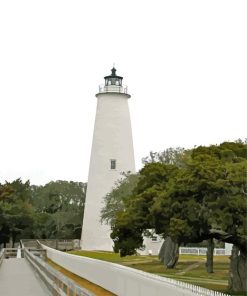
[[55, 281], [18, 255], [199, 251], [122, 280], [1, 256]]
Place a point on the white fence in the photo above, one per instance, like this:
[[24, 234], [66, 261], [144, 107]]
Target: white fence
[[200, 251], [122, 280]]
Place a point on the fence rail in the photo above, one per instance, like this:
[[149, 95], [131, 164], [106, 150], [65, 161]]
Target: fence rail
[[1, 256], [56, 282], [200, 251], [63, 245]]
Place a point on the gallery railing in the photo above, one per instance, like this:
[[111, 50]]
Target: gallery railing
[[113, 88]]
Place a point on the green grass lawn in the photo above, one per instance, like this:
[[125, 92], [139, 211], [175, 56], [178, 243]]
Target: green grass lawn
[[190, 268]]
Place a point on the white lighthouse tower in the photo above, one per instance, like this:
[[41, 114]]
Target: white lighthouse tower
[[112, 154]]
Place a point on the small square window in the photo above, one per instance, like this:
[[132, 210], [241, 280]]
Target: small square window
[[113, 164]]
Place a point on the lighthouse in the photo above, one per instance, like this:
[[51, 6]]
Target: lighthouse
[[112, 154]]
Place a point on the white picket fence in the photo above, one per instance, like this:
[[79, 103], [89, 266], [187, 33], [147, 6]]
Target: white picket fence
[[122, 280], [200, 251]]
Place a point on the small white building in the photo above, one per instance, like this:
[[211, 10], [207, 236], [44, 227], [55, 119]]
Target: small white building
[[112, 154], [152, 245]]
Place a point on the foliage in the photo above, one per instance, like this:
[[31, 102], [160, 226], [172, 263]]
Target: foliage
[[174, 156], [59, 209], [203, 197], [190, 203], [16, 212], [51, 211], [114, 201], [123, 194]]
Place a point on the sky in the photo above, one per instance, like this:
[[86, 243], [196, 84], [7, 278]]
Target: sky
[[185, 64]]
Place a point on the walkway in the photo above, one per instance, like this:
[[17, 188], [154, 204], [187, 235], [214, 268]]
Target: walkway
[[17, 278]]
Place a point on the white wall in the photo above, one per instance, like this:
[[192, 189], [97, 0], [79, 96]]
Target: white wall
[[121, 280], [152, 247], [228, 249]]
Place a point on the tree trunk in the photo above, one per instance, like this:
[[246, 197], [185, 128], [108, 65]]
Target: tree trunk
[[14, 235], [169, 253], [238, 271], [210, 256]]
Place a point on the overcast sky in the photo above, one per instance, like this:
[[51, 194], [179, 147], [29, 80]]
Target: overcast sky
[[185, 64]]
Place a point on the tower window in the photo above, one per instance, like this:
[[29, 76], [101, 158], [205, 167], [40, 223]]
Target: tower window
[[113, 164]]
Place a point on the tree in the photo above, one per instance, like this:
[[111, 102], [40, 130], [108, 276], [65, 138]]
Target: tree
[[4, 231], [114, 201], [169, 252], [221, 171], [59, 209], [51, 211], [202, 199], [16, 210], [131, 224]]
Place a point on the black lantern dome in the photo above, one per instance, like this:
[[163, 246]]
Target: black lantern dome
[[113, 79], [113, 84]]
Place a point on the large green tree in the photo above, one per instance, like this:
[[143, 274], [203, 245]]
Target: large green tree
[[116, 201], [204, 198]]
